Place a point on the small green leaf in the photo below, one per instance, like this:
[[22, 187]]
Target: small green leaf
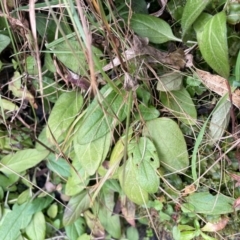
[[22, 160], [206, 203], [170, 82], [37, 227], [75, 207], [169, 142], [147, 113], [155, 29], [4, 41], [52, 211], [63, 114], [76, 229], [219, 121], [31, 65], [213, 44], [6, 105], [192, 10], [181, 105]]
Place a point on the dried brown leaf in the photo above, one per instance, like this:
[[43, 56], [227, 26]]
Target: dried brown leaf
[[128, 210], [218, 85], [215, 227], [236, 204]]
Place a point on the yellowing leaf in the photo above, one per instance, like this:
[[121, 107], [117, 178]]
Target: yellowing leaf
[[7, 105], [213, 44], [18, 91]]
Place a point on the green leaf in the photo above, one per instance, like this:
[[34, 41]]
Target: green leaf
[[169, 142], [206, 203], [146, 161], [147, 113], [84, 237], [92, 154], [14, 221], [104, 208], [192, 10], [76, 229], [155, 29], [7, 105], [132, 233], [170, 82], [181, 105], [31, 65], [22, 160], [213, 44], [40, 203], [233, 13], [102, 116], [4, 41], [37, 227], [128, 180], [63, 114], [219, 121], [75, 207], [138, 175], [78, 180], [58, 165]]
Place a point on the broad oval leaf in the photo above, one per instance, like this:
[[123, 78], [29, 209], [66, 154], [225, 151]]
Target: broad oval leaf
[[37, 227], [63, 114], [219, 121], [181, 105], [130, 185], [206, 203], [105, 112], [212, 42], [192, 10], [145, 161], [90, 155], [22, 160], [169, 142], [155, 29], [75, 207]]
